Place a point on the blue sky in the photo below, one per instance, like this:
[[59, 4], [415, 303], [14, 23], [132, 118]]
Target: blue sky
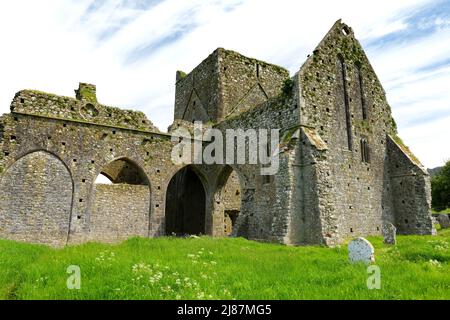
[[131, 50]]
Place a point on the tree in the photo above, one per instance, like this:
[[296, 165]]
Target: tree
[[440, 189]]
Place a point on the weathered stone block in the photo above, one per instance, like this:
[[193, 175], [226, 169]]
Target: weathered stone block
[[443, 220], [361, 250], [389, 233]]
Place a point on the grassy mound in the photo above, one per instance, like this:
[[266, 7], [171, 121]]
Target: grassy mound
[[418, 267]]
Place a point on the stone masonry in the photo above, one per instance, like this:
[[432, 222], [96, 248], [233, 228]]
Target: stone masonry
[[343, 170]]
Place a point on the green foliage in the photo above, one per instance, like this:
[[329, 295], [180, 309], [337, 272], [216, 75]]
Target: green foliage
[[394, 125], [406, 149], [440, 189], [289, 134], [288, 86], [88, 94], [418, 267], [445, 211], [181, 74]]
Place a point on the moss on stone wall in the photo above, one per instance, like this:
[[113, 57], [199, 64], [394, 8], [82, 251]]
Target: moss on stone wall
[[88, 95], [33, 102], [352, 51], [288, 87], [364, 126], [406, 149]]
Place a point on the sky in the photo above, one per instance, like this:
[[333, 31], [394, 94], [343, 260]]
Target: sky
[[132, 49]]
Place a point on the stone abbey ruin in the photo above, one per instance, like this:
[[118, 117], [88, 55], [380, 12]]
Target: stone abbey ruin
[[343, 171]]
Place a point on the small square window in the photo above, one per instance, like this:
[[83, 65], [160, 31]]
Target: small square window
[[266, 179]]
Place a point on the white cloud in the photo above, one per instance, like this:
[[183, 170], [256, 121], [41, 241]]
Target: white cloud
[[51, 45]]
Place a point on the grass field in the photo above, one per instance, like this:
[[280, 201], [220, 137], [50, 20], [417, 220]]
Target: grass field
[[418, 267], [446, 211]]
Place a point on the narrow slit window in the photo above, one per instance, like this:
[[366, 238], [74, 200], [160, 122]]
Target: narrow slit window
[[365, 151], [361, 92], [348, 123]]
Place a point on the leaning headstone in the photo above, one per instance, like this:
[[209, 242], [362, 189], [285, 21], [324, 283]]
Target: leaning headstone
[[361, 250], [443, 220], [389, 233]]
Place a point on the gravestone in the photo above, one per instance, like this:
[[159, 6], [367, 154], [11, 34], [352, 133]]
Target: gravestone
[[389, 233], [361, 250], [443, 220]]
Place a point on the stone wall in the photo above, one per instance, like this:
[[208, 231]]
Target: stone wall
[[232, 193], [86, 149], [118, 212], [84, 110], [36, 200], [226, 84], [265, 200], [410, 190], [342, 172], [342, 98]]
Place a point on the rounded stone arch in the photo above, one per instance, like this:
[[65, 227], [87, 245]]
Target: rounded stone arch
[[36, 199], [227, 201], [123, 208], [186, 202]]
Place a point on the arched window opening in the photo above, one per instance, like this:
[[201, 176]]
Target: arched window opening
[[103, 179], [122, 171]]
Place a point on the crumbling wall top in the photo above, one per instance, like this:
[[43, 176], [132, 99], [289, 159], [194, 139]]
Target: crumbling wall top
[[86, 92], [84, 108]]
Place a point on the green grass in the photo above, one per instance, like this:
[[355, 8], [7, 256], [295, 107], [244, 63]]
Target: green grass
[[446, 211], [418, 267]]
